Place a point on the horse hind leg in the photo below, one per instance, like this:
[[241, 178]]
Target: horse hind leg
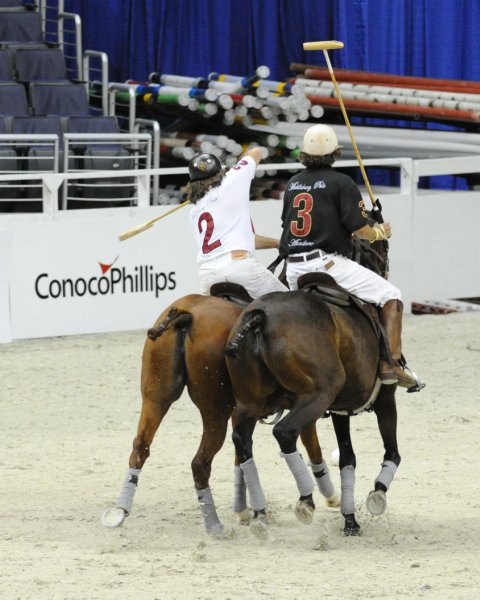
[[242, 439], [239, 505], [386, 412], [214, 433], [318, 466], [347, 466], [301, 419], [151, 416]]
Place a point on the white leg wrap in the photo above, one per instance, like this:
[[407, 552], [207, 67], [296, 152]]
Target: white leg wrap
[[299, 470], [387, 473], [125, 499], [239, 491], [210, 517], [323, 479], [347, 477], [250, 475]]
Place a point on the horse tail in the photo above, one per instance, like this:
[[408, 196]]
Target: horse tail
[[253, 321], [174, 374], [179, 318]]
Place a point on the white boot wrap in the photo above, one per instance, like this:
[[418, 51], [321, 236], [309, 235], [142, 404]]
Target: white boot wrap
[[299, 470], [239, 491], [387, 473], [125, 499], [347, 477], [323, 479], [210, 518], [250, 475]]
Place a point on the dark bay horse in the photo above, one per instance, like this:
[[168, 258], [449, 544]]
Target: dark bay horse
[[185, 348], [297, 351]]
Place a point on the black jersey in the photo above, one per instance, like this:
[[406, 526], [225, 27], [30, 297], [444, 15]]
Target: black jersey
[[321, 208]]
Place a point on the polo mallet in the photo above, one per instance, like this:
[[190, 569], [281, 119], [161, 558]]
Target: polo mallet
[[335, 45], [144, 226]]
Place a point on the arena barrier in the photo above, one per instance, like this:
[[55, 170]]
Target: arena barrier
[[65, 272]]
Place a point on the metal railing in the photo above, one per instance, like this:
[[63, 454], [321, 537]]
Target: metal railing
[[105, 152], [27, 153], [411, 170], [30, 163]]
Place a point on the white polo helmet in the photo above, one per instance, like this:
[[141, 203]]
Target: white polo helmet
[[320, 140]]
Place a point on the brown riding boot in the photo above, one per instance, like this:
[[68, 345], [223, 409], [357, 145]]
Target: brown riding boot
[[386, 373], [391, 318]]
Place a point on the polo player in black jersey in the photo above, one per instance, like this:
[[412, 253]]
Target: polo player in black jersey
[[322, 210]]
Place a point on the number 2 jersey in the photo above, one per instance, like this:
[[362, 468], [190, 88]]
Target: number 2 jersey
[[321, 208], [221, 219]]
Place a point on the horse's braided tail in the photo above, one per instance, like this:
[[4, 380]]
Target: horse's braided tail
[[253, 320], [174, 315]]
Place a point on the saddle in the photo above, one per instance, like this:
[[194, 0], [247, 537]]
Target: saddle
[[233, 292], [325, 287]]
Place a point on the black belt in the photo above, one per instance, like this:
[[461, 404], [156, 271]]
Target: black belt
[[311, 256]]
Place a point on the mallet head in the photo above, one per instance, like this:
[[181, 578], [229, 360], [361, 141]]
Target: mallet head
[[135, 231], [327, 45]]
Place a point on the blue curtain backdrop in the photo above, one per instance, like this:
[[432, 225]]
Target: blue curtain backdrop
[[426, 38], [429, 38]]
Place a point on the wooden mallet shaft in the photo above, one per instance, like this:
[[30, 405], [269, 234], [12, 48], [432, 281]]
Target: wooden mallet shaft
[[144, 226], [334, 45]]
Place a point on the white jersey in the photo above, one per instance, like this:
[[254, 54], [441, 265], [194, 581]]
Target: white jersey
[[221, 219]]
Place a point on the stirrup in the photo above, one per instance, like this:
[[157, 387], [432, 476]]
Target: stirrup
[[419, 385]]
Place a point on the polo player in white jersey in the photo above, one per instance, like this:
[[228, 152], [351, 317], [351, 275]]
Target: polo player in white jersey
[[222, 226]]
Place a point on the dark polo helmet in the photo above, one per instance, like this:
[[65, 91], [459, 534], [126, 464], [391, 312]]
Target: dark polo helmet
[[203, 166]]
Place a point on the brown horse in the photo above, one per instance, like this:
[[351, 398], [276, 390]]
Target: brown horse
[[185, 348], [299, 352]]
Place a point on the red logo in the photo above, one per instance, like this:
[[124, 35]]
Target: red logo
[[105, 267]]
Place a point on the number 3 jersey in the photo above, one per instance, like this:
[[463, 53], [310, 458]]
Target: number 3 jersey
[[321, 208], [221, 219]]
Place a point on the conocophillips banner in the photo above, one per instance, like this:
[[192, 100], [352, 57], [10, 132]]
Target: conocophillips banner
[[75, 276]]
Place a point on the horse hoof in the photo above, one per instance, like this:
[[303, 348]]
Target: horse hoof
[[226, 534], [244, 517], [351, 526], [217, 531], [333, 501], [259, 527], [376, 502], [304, 512], [113, 517]]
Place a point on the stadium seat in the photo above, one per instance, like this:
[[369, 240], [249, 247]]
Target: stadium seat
[[38, 156], [20, 26], [14, 46], [34, 64], [6, 71], [63, 99], [92, 124], [17, 4], [101, 156], [13, 100], [8, 164]]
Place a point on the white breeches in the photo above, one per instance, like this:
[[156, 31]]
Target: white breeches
[[249, 273], [360, 281]]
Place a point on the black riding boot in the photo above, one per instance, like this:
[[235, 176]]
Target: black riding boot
[[391, 318]]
